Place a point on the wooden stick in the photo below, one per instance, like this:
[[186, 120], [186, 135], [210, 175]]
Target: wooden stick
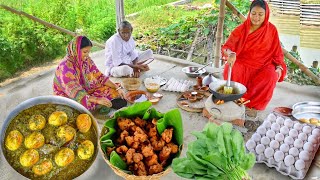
[[235, 11], [285, 52], [45, 23], [189, 57], [219, 33]]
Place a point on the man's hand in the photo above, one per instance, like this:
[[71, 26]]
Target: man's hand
[[136, 72]]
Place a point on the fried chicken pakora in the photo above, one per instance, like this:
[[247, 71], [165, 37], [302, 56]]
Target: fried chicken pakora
[[139, 144]]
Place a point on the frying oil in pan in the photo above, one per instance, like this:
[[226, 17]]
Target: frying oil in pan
[[234, 91]]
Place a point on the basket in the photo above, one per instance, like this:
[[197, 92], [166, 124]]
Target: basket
[[131, 84], [126, 176]]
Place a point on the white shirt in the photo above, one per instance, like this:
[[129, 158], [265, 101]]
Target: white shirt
[[119, 51]]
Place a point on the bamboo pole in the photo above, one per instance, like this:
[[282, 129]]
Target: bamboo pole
[[219, 33], [285, 52], [189, 57], [21, 13]]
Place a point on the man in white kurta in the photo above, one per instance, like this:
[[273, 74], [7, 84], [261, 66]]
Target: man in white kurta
[[122, 59]]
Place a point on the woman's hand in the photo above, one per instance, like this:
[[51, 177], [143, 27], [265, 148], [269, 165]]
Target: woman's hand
[[231, 58], [101, 101], [279, 72], [121, 93]]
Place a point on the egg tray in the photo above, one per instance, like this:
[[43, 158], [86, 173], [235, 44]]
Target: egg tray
[[287, 169]]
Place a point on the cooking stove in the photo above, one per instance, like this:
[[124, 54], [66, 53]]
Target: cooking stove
[[227, 111]]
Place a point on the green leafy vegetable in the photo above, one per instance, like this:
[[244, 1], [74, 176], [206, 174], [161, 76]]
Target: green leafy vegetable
[[218, 153]]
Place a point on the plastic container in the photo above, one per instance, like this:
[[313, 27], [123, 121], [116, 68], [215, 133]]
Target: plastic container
[[297, 154]]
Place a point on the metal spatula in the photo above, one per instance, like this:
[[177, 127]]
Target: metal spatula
[[227, 88]]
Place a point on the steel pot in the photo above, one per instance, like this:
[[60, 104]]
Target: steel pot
[[47, 100]]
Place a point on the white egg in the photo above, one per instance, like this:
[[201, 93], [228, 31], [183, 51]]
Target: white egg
[[304, 155], [313, 139], [316, 132], [269, 152], [308, 147], [280, 120], [271, 117], [294, 151], [288, 123], [297, 126], [300, 164], [306, 129], [284, 130], [288, 140], [250, 144], [260, 148], [274, 144], [279, 137], [289, 160], [256, 137], [265, 140], [293, 133], [270, 134], [298, 143], [302, 136], [261, 130], [284, 148], [275, 127], [278, 156], [267, 124]]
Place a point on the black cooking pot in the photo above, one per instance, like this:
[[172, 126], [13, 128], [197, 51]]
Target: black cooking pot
[[217, 85]]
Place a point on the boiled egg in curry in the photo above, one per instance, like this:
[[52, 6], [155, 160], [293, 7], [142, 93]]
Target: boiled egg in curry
[[58, 118], [42, 168], [14, 140], [37, 122], [29, 158], [85, 149], [66, 133], [83, 123], [64, 157], [34, 140]]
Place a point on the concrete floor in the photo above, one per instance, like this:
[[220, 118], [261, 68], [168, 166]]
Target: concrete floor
[[285, 94]]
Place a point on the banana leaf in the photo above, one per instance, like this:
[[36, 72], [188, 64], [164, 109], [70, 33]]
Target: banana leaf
[[170, 119]]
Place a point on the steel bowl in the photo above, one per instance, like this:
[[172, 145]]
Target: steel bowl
[[306, 110], [215, 86], [47, 100], [190, 71]]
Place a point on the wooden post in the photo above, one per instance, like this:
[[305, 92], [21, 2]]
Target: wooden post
[[119, 12], [219, 33], [189, 57], [285, 52], [21, 13]]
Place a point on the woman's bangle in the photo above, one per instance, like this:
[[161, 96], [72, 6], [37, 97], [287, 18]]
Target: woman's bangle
[[120, 87], [232, 53]]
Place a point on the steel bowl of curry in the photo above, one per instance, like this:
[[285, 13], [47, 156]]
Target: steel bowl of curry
[[49, 137]]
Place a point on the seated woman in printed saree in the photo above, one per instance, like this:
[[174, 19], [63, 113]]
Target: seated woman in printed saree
[[254, 51], [122, 59], [78, 78]]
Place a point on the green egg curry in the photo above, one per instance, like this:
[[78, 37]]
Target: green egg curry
[[35, 159]]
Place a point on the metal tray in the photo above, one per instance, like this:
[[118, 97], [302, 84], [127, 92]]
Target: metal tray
[[306, 112], [306, 104]]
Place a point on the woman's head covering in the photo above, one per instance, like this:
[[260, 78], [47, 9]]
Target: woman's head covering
[[259, 48], [74, 51]]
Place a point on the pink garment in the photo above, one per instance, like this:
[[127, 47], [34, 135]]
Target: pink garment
[[79, 79]]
